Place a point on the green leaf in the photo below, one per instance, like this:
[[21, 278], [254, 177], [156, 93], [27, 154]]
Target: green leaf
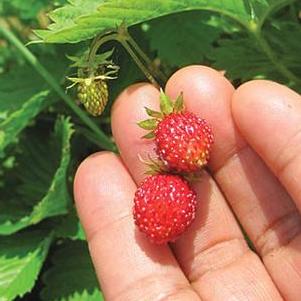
[[186, 45], [153, 113], [18, 120], [149, 135], [179, 104], [21, 259], [23, 95], [242, 58], [41, 191], [28, 10], [72, 277], [21, 83], [69, 226], [284, 38], [148, 124], [84, 19], [166, 105]]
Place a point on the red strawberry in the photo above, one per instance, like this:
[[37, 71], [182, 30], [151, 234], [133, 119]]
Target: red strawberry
[[164, 206], [183, 140]]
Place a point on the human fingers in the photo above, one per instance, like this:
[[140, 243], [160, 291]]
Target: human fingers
[[212, 253], [128, 266], [269, 117]]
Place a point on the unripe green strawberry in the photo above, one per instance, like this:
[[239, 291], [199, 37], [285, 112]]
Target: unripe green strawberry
[[93, 94], [93, 73]]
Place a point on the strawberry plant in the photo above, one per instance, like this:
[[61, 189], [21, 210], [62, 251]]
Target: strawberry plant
[[62, 64]]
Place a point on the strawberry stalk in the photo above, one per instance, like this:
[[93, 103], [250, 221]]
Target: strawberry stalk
[[122, 36]]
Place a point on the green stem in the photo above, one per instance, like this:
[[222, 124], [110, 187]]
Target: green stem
[[138, 62], [294, 80], [98, 41], [132, 43], [104, 140], [127, 42]]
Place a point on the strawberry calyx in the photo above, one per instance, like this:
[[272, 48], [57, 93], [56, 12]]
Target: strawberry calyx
[[101, 68], [167, 107], [183, 140], [156, 167], [92, 76]]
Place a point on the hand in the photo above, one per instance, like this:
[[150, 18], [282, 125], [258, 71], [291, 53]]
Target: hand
[[255, 173]]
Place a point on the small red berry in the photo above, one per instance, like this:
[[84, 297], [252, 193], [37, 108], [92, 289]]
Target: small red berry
[[183, 142], [164, 206]]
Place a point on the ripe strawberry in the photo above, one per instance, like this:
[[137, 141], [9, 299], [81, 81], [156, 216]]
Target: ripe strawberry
[[164, 206], [183, 140], [93, 94]]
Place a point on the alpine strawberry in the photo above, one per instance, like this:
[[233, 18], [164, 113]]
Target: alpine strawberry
[[92, 80], [183, 140], [93, 94], [164, 206]]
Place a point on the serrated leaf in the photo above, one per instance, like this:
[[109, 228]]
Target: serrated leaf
[[72, 277], [284, 38], [186, 45], [148, 124], [84, 19], [153, 113], [21, 258], [17, 88], [240, 58], [18, 120], [166, 105], [179, 104], [42, 191], [69, 226], [23, 95], [21, 83], [243, 59]]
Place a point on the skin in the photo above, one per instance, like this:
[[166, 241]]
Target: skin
[[253, 177]]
